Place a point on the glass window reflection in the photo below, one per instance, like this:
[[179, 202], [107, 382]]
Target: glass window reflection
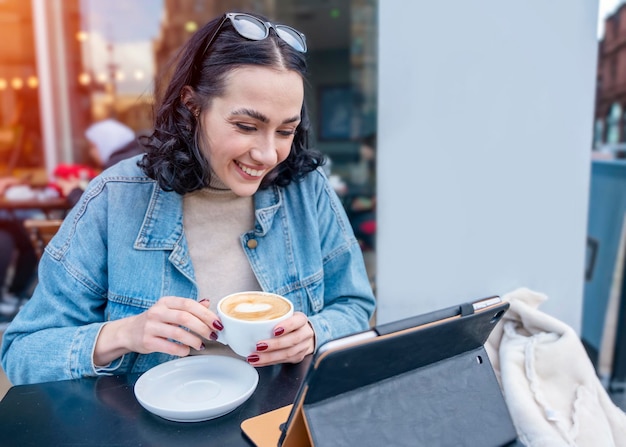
[[69, 63]]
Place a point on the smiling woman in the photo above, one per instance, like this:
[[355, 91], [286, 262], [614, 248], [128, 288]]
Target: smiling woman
[[79, 62], [249, 130], [229, 197]]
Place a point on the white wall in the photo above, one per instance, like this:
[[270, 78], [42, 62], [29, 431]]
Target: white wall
[[485, 120]]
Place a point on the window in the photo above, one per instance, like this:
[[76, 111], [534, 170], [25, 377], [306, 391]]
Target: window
[[613, 124]]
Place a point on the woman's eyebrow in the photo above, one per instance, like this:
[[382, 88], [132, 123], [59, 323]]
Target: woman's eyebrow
[[261, 117], [293, 119], [252, 114]]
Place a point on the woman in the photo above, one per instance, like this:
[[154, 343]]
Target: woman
[[228, 198]]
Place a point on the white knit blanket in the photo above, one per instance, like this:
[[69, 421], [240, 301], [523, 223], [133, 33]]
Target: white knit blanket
[[550, 386]]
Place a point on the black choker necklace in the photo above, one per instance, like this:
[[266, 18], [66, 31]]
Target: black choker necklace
[[216, 183]]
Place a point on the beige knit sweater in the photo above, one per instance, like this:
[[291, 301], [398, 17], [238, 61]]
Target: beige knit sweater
[[214, 220]]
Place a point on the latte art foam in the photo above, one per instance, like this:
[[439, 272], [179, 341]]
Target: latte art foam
[[253, 307]]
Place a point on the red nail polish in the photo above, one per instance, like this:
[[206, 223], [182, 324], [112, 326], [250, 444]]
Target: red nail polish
[[218, 325], [204, 301], [202, 347], [252, 358], [213, 336], [279, 331], [261, 346]]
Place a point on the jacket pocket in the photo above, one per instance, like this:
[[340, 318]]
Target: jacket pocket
[[307, 295], [125, 306]]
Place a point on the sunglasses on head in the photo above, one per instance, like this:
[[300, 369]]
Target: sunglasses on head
[[253, 28]]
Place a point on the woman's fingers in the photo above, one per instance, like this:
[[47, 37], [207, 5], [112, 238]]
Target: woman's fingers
[[172, 325], [173, 322], [187, 313], [166, 346], [297, 321], [293, 341]]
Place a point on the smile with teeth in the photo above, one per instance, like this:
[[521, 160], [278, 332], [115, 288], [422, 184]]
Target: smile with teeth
[[252, 172]]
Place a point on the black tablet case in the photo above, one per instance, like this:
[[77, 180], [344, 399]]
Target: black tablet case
[[423, 381]]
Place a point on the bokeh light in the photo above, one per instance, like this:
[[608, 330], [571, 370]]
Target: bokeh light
[[32, 82], [84, 79], [191, 26], [17, 83]]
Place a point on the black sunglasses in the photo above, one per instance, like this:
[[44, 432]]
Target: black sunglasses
[[253, 28]]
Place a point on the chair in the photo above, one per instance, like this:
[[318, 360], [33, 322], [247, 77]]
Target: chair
[[41, 231]]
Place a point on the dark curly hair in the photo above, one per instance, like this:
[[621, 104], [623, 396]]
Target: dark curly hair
[[173, 156]]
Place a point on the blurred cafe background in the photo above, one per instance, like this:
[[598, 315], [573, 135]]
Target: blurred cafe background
[[67, 64], [474, 129]]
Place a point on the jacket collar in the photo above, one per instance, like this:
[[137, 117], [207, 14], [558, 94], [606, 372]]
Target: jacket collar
[[162, 228], [267, 202]]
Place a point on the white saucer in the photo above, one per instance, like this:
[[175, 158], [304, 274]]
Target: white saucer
[[196, 388]]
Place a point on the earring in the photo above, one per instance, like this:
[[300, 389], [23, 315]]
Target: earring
[[196, 113]]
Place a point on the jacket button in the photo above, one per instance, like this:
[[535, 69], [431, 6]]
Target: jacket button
[[252, 243]]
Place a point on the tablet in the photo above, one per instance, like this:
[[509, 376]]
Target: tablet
[[423, 380]]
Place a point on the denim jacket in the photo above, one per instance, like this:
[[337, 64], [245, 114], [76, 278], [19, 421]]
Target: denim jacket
[[122, 247]]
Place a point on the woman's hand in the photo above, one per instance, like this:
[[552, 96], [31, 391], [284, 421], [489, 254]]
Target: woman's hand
[[173, 325], [293, 340]]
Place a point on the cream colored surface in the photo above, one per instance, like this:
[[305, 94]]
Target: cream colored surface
[[548, 381], [214, 220]]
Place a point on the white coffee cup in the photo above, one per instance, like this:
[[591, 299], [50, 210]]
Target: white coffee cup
[[249, 317]]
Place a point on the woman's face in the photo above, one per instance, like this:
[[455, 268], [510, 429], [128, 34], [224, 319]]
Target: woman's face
[[249, 130]]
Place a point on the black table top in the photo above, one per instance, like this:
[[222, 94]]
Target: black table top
[[103, 411]]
